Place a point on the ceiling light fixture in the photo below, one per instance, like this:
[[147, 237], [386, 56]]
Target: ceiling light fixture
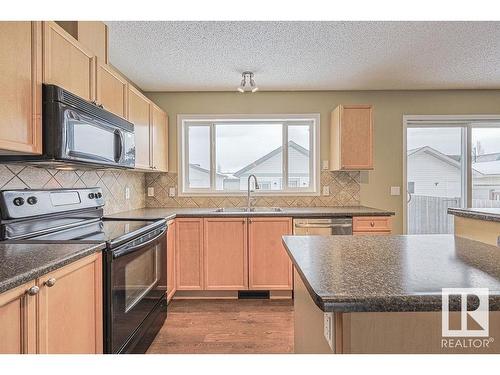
[[247, 83]]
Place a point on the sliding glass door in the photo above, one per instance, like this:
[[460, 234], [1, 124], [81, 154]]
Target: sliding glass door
[[435, 178], [485, 166], [449, 163]]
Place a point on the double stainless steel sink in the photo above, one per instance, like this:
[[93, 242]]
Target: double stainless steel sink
[[246, 209]]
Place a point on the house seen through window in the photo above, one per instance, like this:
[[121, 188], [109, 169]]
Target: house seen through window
[[219, 154]]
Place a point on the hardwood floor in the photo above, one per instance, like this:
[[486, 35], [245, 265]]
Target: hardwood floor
[[226, 326]]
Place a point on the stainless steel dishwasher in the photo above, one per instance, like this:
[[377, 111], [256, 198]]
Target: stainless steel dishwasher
[[325, 227]]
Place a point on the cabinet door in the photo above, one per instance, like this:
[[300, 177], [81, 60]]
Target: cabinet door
[[356, 143], [189, 254], [171, 235], [111, 90], [67, 63], [139, 115], [70, 315], [270, 267], [225, 254], [18, 321], [159, 142], [94, 36], [21, 83]]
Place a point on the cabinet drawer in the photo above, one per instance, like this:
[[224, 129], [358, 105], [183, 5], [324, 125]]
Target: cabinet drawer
[[371, 224]]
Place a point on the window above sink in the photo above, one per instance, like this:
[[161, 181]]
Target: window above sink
[[218, 153]]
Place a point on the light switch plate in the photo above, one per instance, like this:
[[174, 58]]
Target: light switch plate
[[171, 192], [127, 193], [326, 191], [324, 165], [151, 191], [395, 190]]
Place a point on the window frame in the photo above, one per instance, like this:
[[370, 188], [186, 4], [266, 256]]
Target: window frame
[[184, 122]]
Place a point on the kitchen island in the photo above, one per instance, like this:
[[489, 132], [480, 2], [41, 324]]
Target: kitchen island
[[382, 294], [480, 224]]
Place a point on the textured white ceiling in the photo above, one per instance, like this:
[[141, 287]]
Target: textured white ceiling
[[210, 56]]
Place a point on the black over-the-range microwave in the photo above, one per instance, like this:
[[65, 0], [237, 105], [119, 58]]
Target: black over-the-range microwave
[[80, 134]]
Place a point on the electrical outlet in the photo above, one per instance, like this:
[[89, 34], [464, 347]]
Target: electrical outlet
[[328, 328], [395, 190], [127, 193], [151, 191], [171, 192], [324, 165], [326, 191]]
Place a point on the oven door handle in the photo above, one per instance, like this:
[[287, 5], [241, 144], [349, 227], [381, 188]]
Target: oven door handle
[[127, 249]]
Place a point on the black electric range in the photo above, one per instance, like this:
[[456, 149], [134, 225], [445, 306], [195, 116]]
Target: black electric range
[[134, 278]]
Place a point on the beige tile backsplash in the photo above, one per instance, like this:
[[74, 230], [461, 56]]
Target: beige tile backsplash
[[344, 188], [112, 182], [344, 191]]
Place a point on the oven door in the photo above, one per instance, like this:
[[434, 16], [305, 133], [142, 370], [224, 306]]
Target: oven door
[[88, 139], [136, 277]]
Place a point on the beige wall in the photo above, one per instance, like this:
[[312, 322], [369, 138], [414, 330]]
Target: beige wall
[[390, 106]]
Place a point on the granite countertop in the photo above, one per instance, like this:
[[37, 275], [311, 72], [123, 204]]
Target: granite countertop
[[488, 214], [393, 273], [23, 262], [171, 213]]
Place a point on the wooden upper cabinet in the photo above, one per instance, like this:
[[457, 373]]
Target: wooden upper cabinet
[[171, 236], [139, 115], [67, 63], [270, 267], [94, 36], [18, 321], [111, 90], [225, 253], [351, 132], [189, 254], [21, 83], [159, 138], [70, 317]]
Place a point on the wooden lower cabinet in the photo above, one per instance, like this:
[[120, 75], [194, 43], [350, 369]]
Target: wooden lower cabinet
[[64, 315], [70, 311], [371, 225], [225, 254], [18, 321], [171, 237], [269, 265], [189, 254]]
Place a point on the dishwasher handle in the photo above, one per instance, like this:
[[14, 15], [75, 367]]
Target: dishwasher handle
[[323, 225]]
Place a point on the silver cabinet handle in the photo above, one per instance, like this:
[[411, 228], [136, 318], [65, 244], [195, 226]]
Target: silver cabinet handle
[[33, 290], [50, 282]]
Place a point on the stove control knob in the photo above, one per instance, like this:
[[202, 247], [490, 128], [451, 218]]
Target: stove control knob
[[18, 201], [91, 195], [99, 195], [32, 200]]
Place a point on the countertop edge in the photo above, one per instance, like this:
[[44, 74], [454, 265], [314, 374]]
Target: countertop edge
[[285, 213], [35, 273], [396, 303], [467, 213]]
